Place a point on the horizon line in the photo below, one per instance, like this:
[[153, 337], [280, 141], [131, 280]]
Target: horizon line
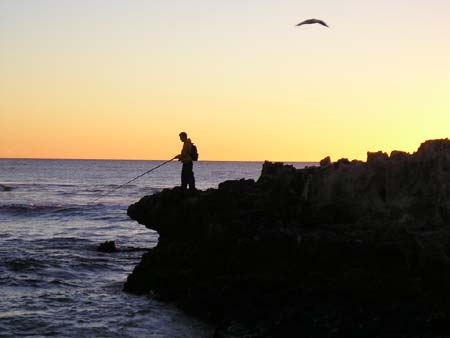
[[119, 159]]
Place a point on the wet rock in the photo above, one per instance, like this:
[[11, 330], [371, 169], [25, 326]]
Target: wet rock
[[108, 246], [5, 188], [351, 249]]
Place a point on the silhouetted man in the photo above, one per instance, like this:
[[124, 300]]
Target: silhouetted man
[[187, 175]]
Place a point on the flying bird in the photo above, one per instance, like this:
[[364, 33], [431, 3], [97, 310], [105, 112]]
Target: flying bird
[[311, 21]]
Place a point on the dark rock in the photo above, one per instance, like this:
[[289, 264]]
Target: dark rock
[[342, 161], [5, 188], [378, 157], [398, 155], [325, 162], [354, 249], [108, 246], [111, 246]]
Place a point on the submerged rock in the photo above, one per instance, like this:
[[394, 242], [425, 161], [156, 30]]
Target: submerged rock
[[348, 249], [112, 246], [5, 188], [108, 246]]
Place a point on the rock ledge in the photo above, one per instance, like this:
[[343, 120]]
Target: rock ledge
[[347, 249]]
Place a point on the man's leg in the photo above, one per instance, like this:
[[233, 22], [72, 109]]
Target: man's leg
[[192, 180], [189, 175], [184, 176]]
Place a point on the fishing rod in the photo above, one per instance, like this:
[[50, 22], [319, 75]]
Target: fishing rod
[[148, 171]]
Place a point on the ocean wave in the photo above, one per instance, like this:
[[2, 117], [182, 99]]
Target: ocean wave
[[20, 264], [65, 186], [63, 243], [22, 208], [40, 185], [31, 209]]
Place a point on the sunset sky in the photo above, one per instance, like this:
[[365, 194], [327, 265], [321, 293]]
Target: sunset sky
[[120, 79]]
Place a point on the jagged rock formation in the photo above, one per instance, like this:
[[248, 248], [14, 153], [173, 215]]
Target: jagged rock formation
[[347, 249]]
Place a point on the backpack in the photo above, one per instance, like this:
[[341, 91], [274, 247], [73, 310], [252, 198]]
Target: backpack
[[194, 152]]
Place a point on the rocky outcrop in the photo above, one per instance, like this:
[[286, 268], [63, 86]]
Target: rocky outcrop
[[347, 249]]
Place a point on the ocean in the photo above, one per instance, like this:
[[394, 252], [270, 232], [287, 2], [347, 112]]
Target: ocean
[[53, 216]]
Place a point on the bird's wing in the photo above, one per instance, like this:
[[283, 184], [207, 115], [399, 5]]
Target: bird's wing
[[323, 23], [311, 21], [305, 22]]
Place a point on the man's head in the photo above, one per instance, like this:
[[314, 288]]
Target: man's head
[[183, 136]]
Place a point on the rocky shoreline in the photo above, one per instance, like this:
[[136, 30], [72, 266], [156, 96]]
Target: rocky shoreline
[[345, 249]]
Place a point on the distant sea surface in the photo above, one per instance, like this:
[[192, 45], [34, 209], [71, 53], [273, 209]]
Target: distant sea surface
[[53, 215]]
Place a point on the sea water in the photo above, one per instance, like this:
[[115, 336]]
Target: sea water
[[54, 214]]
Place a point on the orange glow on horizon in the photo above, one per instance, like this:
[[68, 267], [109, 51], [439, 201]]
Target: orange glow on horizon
[[122, 82]]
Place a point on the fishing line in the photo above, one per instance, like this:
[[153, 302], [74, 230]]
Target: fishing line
[[120, 186]]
